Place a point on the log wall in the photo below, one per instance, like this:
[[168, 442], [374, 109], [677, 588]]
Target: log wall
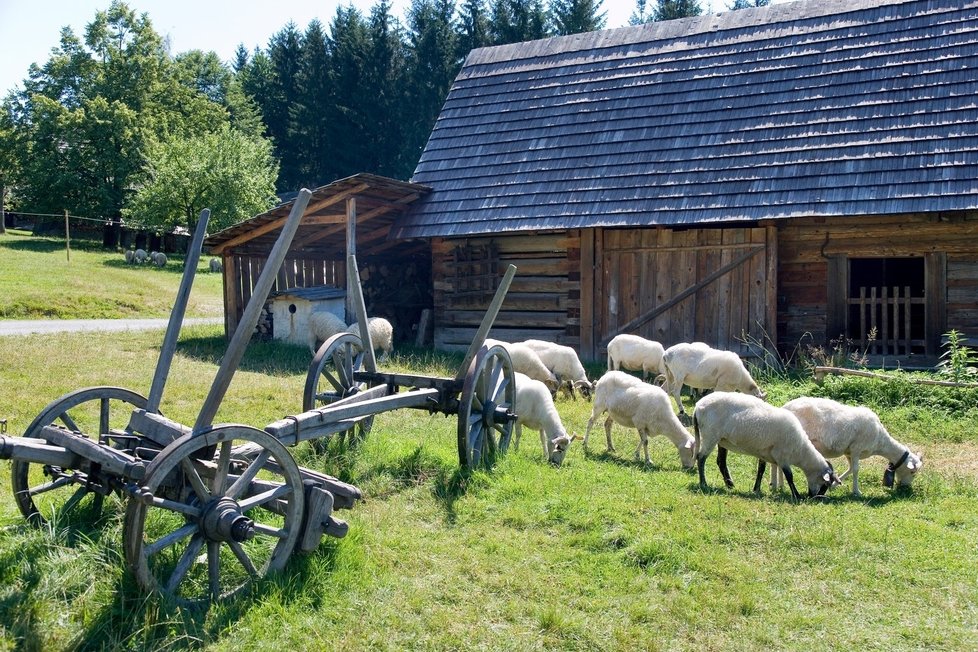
[[813, 254], [543, 301]]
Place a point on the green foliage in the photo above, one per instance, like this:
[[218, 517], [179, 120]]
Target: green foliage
[[673, 9], [229, 172], [958, 360], [576, 16]]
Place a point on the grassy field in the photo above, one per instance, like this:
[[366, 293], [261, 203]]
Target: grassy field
[[600, 554], [40, 280]]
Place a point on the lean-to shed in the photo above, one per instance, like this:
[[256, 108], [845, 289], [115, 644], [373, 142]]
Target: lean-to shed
[[349, 215], [803, 170]]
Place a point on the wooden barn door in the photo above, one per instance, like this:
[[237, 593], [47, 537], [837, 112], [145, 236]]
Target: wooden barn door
[[711, 285]]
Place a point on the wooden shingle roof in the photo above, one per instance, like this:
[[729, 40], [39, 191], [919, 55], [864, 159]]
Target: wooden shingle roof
[[825, 107]]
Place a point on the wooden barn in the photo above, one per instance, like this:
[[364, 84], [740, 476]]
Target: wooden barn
[[795, 173], [349, 215]]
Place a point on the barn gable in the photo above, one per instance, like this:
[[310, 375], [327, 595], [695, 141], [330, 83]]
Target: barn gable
[[828, 108]]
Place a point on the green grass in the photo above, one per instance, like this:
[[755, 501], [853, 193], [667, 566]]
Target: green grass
[[600, 554], [39, 281]]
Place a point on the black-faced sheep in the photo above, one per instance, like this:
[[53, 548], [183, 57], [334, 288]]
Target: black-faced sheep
[[746, 424], [836, 429], [703, 367], [636, 404]]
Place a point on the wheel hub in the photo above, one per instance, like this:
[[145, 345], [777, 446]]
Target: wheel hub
[[489, 413], [222, 520]]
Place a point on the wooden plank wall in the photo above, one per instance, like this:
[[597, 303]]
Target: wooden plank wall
[[813, 254], [241, 273], [638, 270], [543, 301]]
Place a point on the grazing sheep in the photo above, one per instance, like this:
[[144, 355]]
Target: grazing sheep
[[856, 432], [322, 326], [139, 256], [158, 258], [216, 265], [635, 353], [563, 363], [130, 256], [636, 404], [746, 424], [535, 409], [381, 334], [526, 361], [703, 367]]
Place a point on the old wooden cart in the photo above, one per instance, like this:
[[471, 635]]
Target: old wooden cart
[[211, 507]]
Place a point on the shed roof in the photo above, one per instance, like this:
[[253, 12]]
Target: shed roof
[[825, 107], [322, 231]]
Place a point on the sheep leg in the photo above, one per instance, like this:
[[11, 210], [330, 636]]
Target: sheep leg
[[547, 446], [722, 463], [607, 433], [700, 463], [643, 443], [854, 470], [790, 478], [590, 423], [761, 465], [517, 435]]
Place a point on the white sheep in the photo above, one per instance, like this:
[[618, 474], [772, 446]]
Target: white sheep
[[381, 334], [635, 353], [139, 256], [215, 265], [836, 429], [322, 326], [130, 256], [746, 424], [563, 363], [703, 367], [535, 409], [526, 361], [636, 404], [158, 258]]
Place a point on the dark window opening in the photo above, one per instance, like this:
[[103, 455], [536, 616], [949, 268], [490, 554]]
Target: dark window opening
[[886, 305]]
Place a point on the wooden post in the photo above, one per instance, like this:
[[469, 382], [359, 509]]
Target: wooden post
[[424, 325], [176, 315], [487, 321], [67, 239], [3, 215], [246, 326], [355, 293], [351, 250]]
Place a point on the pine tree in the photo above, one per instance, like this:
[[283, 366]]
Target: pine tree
[[310, 108], [474, 27], [385, 109], [672, 9], [748, 4], [349, 47], [577, 16], [515, 21], [285, 58]]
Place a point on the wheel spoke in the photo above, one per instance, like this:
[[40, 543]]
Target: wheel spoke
[[76, 498], [214, 568], [223, 462], [243, 558], [264, 497], [279, 533], [195, 481], [173, 537], [245, 479], [103, 418], [188, 557], [69, 422], [174, 506], [61, 481]]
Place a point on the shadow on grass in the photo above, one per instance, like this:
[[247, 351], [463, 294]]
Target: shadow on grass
[[260, 356]]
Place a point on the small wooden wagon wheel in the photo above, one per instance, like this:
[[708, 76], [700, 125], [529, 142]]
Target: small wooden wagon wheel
[[485, 413], [330, 375], [44, 491], [218, 509]]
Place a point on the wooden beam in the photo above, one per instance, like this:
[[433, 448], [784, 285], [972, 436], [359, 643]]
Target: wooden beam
[[277, 223]]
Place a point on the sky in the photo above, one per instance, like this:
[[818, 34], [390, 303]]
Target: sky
[[30, 28]]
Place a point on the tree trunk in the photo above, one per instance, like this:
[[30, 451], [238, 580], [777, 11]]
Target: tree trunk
[[110, 233], [3, 215]]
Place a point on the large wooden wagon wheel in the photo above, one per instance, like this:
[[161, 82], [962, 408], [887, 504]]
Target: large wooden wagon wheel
[[330, 376], [44, 491], [219, 509], [485, 413]]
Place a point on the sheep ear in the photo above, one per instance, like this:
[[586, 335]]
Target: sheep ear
[[689, 444], [576, 437], [827, 477]]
